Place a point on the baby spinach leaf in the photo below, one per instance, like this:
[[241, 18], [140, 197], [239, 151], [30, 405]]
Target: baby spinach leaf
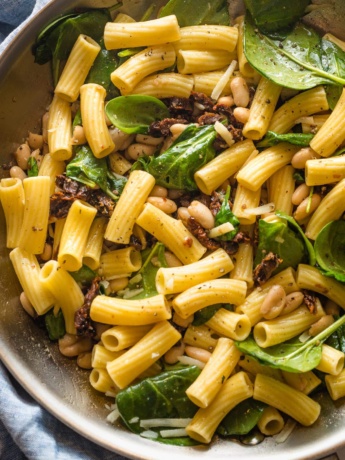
[[301, 61], [84, 275], [215, 12], [175, 168], [242, 419], [293, 355], [278, 238], [333, 93], [337, 339], [309, 247], [105, 63], [272, 138], [203, 315], [225, 215], [32, 167], [135, 113], [275, 15], [93, 172], [55, 324], [162, 396], [148, 272], [330, 250]]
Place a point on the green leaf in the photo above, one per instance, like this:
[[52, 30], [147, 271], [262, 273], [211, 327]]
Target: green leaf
[[55, 324], [275, 15], [337, 339], [93, 172], [242, 419], [84, 275], [330, 250], [278, 238], [148, 272], [225, 215], [293, 355], [272, 138], [163, 396], [309, 247], [175, 168], [135, 113], [215, 12], [105, 63], [32, 167], [301, 61]]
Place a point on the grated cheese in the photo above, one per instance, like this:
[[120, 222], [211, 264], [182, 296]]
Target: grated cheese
[[222, 82]]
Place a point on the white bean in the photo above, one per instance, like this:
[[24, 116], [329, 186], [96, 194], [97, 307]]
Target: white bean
[[172, 260], [158, 190], [307, 207], [148, 140], [172, 355], [26, 304], [201, 213], [22, 155], [78, 137], [134, 151], [183, 322], [17, 173], [301, 192], [293, 301], [164, 204], [274, 302], [321, 325], [120, 139], [177, 129], [302, 156], [183, 214], [71, 345], [198, 353], [241, 114], [35, 141], [226, 100], [84, 360], [240, 91], [47, 252]]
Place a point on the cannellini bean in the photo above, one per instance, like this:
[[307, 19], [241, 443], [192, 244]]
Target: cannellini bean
[[293, 301], [241, 114], [164, 204], [118, 284], [331, 308], [321, 325], [120, 139], [100, 328], [198, 353], [35, 141], [302, 156], [78, 137], [174, 194], [26, 304], [301, 192], [183, 214], [158, 190], [240, 91], [201, 213], [183, 322], [149, 140], [172, 260], [22, 155], [172, 355], [226, 100], [17, 173], [134, 151], [177, 129], [274, 302], [47, 252], [307, 207], [84, 360], [71, 345]]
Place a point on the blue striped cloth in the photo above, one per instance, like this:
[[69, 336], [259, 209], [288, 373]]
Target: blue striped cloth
[[27, 431]]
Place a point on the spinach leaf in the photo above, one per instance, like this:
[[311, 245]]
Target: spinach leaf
[[162, 396], [55, 324], [225, 215], [105, 63], [293, 355], [242, 419], [275, 15], [272, 138], [330, 250], [337, 339], [333, 93], [57, 39], [215, 12], [135, 113], [297, 228], [148, 272], [93, 172], [278, 238], [84, 275], [175, 168], [32, 167], [301, 61]]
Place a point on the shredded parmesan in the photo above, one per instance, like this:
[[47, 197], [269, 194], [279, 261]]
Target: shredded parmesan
[[285, 432], [279, 239], [304, 337], [176, 433], [269, 207], [134, 420], [136, 279], [132, 293], [223, 81], [191, 361], [113, 416], [221, 230], [224, 133], [149, 434], [168, 422]]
